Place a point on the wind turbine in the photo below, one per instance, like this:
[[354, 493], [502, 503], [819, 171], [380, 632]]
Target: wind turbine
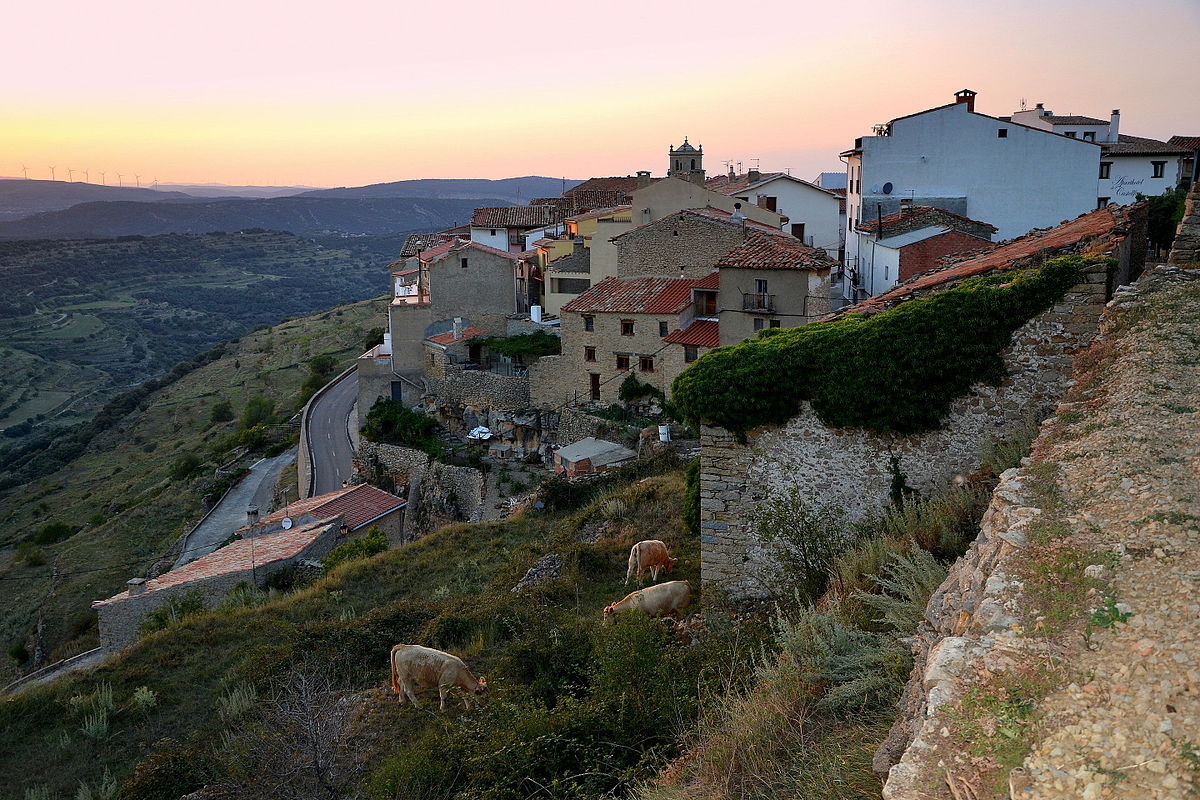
[[52, 173], [156, 184], [86, 177], [70, 175], [25, 171], [138, 179], [103, 178], [120, 182]]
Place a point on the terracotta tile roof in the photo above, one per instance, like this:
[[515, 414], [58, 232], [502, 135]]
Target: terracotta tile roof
[[1138, 146], [871, 225], [238, 556], [726, 185], [1186, 142], [727, 218], [596, 213], [448, 337], [617, 184], [775, 252], [678, 296], [1097, 228], [355, 504], [434, 253], [710, 281], [438, 253], [464, 230], [701, 333], [598, 198], [420, 241], [635, 296], [1076, 120], [516, 216], [560, 202]]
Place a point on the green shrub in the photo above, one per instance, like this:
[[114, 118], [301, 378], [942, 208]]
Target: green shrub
[[905, 585], [533, 345], [259, 410], [390, 421], [175, 610], [896, 371], [171, 770], [691, 497], [185, 466], [372, 542], [19, 653], [804, 536], [53, 532], [222, 411], [30, 555]]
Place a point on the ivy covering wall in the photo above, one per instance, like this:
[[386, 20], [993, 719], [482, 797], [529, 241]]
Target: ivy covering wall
[[895, 371]]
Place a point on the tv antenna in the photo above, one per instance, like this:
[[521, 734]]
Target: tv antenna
[[1024, 105], [755, 160], [52, 174]]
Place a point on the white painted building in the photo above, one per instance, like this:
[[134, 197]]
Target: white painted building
[[812, 212], [1129, 165], [1010, 175]]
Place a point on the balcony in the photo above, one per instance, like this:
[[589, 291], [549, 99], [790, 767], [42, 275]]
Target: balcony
[[758, 302]]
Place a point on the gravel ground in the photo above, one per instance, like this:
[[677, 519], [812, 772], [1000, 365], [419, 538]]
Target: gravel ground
[[1128, 723]]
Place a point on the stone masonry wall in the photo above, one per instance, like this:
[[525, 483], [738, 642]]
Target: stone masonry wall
[[1186, 247], [480, 387], [682, 245], [851, 468], [437, 493]]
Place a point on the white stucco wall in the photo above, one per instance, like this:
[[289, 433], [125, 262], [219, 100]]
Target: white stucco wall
[[801, 203], [498, 240], [1130, 175], [1029, 179]]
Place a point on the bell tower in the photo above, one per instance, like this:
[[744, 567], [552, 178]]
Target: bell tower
[[686, 162]]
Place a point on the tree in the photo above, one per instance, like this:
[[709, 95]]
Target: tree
[[258, 410], [221, 412], [1163, 217]]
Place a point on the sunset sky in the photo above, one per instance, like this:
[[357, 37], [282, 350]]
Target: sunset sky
[[356, 92]]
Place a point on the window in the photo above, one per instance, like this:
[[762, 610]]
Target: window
[[646, 364], [627, 327], [622, 362], [767, 202], [798, 230], [663, 329], [589, 354], [690, 354], [774, 323], [491, 232], [463, 263], [594, 379], [1002, 133], [760, 286], [1159, 168], [1105, 169], [705, 303], [1089, 136], [758, 324], [589, 323], [1069, 134], [1101, 202]]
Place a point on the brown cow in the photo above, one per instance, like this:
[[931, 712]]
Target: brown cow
[[648, 555], [664, 599], [415, 668]]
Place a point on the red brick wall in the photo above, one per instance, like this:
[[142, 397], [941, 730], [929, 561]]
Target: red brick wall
[[923, 256]]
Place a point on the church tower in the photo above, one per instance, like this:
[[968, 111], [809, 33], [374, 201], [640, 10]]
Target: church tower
[[686, 163]]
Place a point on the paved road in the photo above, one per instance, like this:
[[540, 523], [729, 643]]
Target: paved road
[[256, 489], [332, 451]]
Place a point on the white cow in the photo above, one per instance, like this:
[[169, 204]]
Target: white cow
[[415, 668], [664, 599]]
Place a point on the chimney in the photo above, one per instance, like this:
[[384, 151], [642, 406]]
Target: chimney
[[136, 586], [732, 174], [252, 515], [1114, 126], [697, 177], [577, 244], [458, 327], [965, 96], [906, 205], [643, 178], [737, 211], [753, 176]]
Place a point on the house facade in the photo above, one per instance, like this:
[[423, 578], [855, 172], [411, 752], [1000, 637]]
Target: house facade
[[1015, 176], [813, 213], [505, 227]]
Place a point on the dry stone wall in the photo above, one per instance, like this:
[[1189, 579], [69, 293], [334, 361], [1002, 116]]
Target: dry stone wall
[[437, 493], [853, 469], [1186, 247]]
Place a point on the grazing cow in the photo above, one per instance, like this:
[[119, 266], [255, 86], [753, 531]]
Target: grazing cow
[[648, 555], [665, 599], [415, 668]]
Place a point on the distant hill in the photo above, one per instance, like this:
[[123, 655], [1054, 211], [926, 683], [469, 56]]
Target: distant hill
[[224, 190], [518, 191], [20, 198], [301, 215]]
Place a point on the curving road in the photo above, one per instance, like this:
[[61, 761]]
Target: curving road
[[331, 450]]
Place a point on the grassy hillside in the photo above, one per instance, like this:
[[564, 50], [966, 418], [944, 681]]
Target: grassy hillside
[[22, 198], [564, 689], [118, 500], [302, 215], [80, 321]]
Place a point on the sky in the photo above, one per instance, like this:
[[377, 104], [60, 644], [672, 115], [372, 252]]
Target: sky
[[356, 92]]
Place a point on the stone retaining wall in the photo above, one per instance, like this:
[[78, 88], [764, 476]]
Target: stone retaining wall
[[437, 493], [1186, 247]]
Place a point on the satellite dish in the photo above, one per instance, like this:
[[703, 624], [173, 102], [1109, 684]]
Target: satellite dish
[[287, 523], [875, 189], [887, 188]]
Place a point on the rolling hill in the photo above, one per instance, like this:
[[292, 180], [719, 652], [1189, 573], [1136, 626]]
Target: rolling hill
[[517, 191], [20, 198]]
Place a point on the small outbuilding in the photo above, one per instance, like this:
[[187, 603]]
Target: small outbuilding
[[589, 456]]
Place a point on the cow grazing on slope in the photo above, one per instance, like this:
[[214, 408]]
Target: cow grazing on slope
[[665, 599], [648, 555], [415, 668]]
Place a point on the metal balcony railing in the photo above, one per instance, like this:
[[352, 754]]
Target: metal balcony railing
[[758, 302]]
